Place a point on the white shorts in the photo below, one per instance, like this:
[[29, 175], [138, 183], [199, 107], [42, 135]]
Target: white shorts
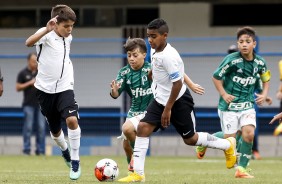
[[231, 122], [135, 120]]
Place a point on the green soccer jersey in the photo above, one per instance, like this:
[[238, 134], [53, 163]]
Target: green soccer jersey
[[138, 86], [239, 78]]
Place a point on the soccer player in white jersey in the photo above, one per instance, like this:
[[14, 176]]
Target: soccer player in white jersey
[[172, 103], [55, 82], [134, 80]]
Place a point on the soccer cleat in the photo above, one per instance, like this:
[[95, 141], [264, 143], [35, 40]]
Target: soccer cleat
[[130, 165], [66, 156], [133, 177], [75, 170], [241, 172], [200, 150], [230, 153], [278, 130]]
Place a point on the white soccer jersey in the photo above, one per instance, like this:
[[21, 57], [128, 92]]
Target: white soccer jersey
[[55, 69], [167, 67]]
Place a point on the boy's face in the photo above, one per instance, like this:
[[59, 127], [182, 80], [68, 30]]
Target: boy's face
[[135, 58], [246, 44], [64, 28], [156, 40]]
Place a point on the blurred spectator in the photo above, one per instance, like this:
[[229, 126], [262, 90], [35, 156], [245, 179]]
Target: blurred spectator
[[32, 113], [232, 48]]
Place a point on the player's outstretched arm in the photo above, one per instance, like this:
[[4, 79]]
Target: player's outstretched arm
[[150, 75], [276, 117], [37, 36], [196, 88], [219, 87]]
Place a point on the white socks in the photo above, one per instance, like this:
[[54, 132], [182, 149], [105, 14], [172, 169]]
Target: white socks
[[139, 154], [208, 140], [74, 140], [61, 142]]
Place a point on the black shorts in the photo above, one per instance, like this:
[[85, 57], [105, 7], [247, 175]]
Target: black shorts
[[57, 107], [182, 115]]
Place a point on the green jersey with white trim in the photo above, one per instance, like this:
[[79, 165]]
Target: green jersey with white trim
[[138, 86], [239, 78]]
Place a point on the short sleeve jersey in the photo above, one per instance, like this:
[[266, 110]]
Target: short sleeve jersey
[[29, 93], [138, 86], [55, 69], [239, 79], [167, 67]]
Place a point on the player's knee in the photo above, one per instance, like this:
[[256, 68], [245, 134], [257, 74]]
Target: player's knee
[[248, 137], [248, 133], [127, 129], [145, 129], [72, 122]]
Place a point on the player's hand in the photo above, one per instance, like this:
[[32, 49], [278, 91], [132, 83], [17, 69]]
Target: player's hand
[[51, 24], [276, 117], [114, 88], [115, 85], [166, 118], [196, 88], [228, 98], [260, 99]]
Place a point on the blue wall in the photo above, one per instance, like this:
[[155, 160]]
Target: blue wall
[[106, 121]]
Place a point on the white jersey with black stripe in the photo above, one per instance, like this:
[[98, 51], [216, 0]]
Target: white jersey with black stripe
[[167, 67], [55, 69]]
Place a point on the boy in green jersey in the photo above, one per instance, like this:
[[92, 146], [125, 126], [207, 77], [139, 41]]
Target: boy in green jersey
[[134, 80], [235, 80], [201, 150]]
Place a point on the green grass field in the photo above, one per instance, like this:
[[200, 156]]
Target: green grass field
[[162, 170]]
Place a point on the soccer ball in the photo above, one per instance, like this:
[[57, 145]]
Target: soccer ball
[[106, 170]]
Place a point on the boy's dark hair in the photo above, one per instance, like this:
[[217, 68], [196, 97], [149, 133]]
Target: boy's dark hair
[[133, 43], [248, 31], [158, 24], [64, 13]]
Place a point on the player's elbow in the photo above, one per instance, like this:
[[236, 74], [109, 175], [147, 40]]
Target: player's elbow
[[28, 44]]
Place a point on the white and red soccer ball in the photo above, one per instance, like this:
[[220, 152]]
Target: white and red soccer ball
[[106, 170]]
